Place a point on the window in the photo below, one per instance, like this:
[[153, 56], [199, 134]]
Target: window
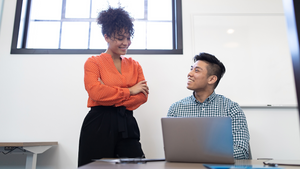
[[69, 26]]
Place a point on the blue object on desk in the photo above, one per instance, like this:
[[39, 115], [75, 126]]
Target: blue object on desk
[[213, 166]]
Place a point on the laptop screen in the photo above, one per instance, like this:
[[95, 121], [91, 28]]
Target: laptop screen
[[198, 139]]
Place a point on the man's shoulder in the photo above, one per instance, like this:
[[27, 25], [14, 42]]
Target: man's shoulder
[[184, 101], [181, 106], [224, 99], [228, 105]]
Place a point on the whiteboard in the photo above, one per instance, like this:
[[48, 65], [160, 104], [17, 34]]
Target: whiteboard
[[254, 49], [1, 9]]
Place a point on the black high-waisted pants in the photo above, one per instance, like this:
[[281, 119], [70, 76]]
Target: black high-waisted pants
[[109, 132]]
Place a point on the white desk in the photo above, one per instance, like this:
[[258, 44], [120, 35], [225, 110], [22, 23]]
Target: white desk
[[31, 149], [170, 165]]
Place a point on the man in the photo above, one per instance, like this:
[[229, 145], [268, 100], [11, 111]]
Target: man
[[203, 78]]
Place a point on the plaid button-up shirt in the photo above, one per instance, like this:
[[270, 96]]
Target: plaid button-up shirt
[[217, 106]]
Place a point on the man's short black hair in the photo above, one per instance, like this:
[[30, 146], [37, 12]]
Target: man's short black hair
[[215, 66]]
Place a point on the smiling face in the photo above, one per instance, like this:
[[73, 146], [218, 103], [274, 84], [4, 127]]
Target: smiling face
[[118, 44], [198, 79]]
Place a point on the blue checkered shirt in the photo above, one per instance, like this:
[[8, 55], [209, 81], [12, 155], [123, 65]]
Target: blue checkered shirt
[[215, 106]]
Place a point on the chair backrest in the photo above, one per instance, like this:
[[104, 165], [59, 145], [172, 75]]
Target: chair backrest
[[250, 154]]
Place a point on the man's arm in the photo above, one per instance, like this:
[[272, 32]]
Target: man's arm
[[240, 132], [172, 111]]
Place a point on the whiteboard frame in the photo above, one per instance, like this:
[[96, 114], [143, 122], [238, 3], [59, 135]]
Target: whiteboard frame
[[261, 92]]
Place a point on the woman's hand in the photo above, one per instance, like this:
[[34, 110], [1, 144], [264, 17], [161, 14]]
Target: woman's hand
[[139, 87], [100, 80]]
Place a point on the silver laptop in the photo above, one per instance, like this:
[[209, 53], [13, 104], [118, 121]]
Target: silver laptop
[[198, 139]]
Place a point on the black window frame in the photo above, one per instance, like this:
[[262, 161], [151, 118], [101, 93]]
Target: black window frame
[[176, 26]]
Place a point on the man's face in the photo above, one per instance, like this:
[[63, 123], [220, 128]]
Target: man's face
[[197, 77]]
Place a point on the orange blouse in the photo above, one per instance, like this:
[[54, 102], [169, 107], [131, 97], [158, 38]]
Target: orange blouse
[[115, 90]]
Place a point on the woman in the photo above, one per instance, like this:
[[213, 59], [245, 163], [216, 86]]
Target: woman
[[116, 86]]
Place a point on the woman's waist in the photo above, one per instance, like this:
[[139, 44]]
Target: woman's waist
[[110, 109]]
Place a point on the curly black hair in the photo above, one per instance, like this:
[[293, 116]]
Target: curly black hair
[[115, 21]]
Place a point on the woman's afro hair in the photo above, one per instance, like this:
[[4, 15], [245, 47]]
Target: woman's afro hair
[[115, 20]]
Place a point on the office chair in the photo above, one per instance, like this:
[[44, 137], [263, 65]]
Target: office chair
[[250, 154]]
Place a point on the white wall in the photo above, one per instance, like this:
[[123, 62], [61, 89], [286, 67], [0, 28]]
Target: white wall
[[42, 97]]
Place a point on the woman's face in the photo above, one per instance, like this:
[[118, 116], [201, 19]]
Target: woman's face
[[118, 43]]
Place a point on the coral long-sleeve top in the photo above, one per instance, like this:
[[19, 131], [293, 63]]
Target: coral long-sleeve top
[[114, 91]]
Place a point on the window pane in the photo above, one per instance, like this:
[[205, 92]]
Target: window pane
[[74, 35], [139, 38], [45, 9], [43, 35], [97, 40], [113, 3], [22, 25], [98, 6], [137, 10], [70, 24], [163, 11], [77, 9], [159, 35]]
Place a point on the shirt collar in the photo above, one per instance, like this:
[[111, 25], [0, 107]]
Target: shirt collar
[[109, 56], [207, 100]]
